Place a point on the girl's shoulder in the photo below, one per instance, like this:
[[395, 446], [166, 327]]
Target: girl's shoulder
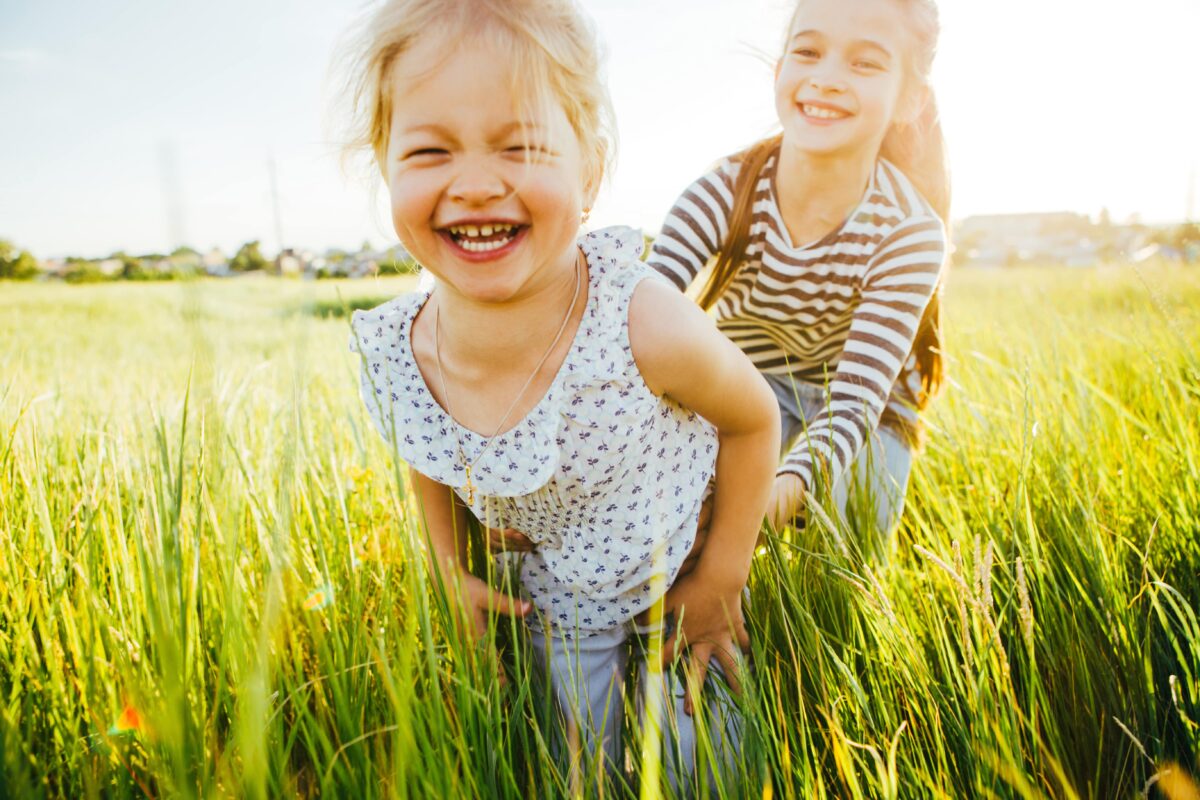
[[615, 264], [719, 182], [899, 191], [727, 169], [376, 330], [761, 157], [721, 173]]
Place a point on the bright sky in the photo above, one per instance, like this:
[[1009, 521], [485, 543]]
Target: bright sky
[[1048, 105]]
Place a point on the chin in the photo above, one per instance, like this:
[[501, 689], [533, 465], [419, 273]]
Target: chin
[[821, 145], [483, 290], [811, 148]]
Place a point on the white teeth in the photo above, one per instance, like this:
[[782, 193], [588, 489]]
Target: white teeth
[[822, 113], [484, 247], [486, 230]]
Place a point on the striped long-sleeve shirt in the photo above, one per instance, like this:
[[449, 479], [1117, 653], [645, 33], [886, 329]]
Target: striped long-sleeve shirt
[[844, 309]]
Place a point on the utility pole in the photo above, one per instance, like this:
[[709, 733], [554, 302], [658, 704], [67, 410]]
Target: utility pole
[[275, 203], [1189, 214], [172, 195]]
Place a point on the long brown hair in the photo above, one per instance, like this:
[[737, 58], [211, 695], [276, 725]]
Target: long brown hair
[[917, 149]]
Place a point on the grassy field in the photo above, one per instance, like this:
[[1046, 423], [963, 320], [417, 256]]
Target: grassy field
[[206, 582]]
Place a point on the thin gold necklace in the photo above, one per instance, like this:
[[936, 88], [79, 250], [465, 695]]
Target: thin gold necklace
[[469, 487]]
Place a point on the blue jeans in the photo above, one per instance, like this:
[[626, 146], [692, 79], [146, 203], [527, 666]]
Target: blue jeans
[[587, 676], [874, 485]]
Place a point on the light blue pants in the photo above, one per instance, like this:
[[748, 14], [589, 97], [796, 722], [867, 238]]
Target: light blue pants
[[587, 676], [876, 481]]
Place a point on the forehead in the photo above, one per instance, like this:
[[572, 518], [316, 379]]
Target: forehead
[[849, 21], [446, 80]]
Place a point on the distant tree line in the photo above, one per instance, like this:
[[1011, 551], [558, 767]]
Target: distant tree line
[[1181, 237], [183, 262], [186, 262]]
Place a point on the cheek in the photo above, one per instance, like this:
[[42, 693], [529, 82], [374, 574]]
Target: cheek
[[412, 199], [553, 197], [883, 104], [787, 83], [783, 100]]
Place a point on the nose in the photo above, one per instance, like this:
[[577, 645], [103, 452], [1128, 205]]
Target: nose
[[476, 183], [827, 82]]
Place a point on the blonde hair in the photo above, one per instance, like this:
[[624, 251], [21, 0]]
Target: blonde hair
[[553, 50], [918, 149]]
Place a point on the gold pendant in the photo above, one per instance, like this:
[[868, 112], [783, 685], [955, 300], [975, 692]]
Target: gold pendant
[[470, 487]]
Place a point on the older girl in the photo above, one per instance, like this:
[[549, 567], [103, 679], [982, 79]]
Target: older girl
[[827, 243]]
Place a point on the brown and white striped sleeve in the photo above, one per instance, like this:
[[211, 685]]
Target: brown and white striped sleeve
[[695, 227], [898, 284]]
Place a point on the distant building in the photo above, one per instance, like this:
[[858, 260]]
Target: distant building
[[54, 267], [215, 263], [110, 266], [1058, 238], [362, 264], [288, 263]]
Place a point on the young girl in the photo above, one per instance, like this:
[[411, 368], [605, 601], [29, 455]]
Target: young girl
[[829, 244], [543, 382]]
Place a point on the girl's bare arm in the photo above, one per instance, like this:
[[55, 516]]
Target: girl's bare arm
[[444, 520], [444, 523], [682, 355]]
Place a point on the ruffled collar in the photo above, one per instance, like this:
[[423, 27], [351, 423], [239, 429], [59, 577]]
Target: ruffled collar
[[523, 458]]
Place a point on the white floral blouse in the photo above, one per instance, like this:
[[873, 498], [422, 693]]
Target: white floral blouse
[[601, 474]]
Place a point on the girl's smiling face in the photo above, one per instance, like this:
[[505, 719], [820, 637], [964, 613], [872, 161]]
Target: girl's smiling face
[[485, 194], [842, 81]]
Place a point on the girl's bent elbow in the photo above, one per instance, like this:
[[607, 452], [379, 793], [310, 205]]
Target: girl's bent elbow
[[765, 401]]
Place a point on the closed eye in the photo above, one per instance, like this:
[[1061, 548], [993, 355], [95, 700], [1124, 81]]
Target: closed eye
[[532, 152], [806, 52], [425, 151]]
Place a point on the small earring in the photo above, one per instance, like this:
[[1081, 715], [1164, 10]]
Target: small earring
[[587, 212]]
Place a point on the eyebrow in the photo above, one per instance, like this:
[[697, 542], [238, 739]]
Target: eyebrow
[[427, 128], [519, 125], [858, 43], [875, 45], [439, 130]]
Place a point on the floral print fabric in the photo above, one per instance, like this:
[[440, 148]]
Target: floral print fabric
[[605, 477]]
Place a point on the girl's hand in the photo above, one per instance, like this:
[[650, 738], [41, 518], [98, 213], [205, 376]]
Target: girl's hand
[[508, 540], [474, 602], [709, 623], [471, 601], [479, 602], [787, 500]]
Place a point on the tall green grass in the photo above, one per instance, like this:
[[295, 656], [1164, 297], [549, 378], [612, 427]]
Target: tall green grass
[[181, 466]]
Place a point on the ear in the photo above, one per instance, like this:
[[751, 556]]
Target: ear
[[593, 177], [589, 199]]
